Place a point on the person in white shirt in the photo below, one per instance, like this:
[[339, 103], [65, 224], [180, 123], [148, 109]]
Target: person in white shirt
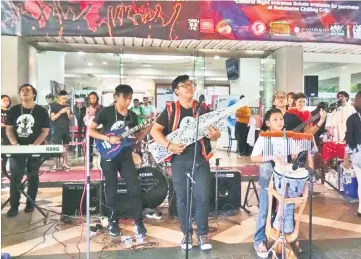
[[336, 122], [149, 110]]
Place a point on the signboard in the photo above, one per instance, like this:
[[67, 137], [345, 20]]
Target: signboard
[[261, 20]]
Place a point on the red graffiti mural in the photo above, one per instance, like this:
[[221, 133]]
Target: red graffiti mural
[[93, 13]]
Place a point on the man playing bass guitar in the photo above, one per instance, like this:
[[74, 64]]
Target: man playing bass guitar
[[112, 118]]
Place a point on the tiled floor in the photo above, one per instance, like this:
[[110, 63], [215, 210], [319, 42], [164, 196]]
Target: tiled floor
[[336, 231]]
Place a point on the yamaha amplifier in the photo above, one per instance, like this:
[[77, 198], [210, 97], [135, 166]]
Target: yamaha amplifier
[[124, 205], [72, 193], [229, 192]]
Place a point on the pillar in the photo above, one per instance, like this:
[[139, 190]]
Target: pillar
[[51, 67], [268, 82], [199, 72], [289, 69], [14, 65], [248, 82], [345, 81]]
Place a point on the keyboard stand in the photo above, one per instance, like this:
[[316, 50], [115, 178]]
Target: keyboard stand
[[21, 189]]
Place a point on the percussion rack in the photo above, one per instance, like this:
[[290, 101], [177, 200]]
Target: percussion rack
[[292, 143]]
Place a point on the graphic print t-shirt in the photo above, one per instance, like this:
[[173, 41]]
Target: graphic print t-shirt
[[27, 125], [4, 115], [107, 117]]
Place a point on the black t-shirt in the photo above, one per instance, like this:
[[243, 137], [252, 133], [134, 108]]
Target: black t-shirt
[[63, 121], [4, 115], [353, 130], [292, 121], [163, 120], [112, 120], [27, 123]]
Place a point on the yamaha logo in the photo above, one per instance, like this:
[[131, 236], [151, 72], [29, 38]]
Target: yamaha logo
[[52, 149], [145, 174]]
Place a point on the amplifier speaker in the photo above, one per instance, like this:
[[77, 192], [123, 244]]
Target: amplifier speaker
[[311, 86], [124, 205], [72, 193], [229, 192]]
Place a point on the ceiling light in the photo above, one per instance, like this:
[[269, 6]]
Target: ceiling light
[[90, 63], [146, 65], [81, 52], [255, 52], [343, 67], [216, 57], [104, 62]]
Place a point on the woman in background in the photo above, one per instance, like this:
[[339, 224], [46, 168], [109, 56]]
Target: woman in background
[[94, 108], [291, 96], [5, 105]]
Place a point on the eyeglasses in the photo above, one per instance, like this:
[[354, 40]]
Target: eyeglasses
[[187, 84]]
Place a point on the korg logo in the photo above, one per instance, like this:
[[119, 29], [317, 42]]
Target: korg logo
[[52, 149]]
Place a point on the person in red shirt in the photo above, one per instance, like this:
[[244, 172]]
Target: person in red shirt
[[300, 103]]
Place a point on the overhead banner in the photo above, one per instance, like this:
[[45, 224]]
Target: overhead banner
[[312, 21]]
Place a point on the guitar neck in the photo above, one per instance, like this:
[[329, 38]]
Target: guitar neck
[[304, 124], [135, 129]]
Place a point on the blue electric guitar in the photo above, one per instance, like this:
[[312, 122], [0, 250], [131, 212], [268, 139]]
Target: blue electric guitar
[[109, 151]]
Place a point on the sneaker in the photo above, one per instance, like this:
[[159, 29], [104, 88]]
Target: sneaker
[[154, 215], [66, 168], [141, 230], [261, 250], [204, 242], [29, 207], [114, 229], [184, 243], [12, 212]]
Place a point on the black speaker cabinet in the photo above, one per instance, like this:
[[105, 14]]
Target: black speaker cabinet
[[154, 190], [72, 193], [311, 86], [229, 192]]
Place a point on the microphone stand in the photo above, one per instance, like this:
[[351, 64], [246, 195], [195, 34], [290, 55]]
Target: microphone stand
[[216, 201], [190, 180], [87, 194], [310, 192]]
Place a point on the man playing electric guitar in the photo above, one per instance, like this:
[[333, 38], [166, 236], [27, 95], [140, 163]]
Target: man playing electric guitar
[[112, 118], [182, 161]]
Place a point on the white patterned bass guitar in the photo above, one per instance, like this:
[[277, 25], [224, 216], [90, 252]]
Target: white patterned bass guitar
[[186, 134]]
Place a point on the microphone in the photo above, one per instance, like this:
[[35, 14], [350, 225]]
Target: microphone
[[200, 101]]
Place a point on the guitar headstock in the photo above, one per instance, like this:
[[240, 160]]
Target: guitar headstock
[[334, 106]]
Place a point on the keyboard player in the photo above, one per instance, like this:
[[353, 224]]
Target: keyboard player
[[27, 124]]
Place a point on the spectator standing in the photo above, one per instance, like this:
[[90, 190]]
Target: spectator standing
[[61, 115], [149, 110], [93, 108], [5, 106]]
